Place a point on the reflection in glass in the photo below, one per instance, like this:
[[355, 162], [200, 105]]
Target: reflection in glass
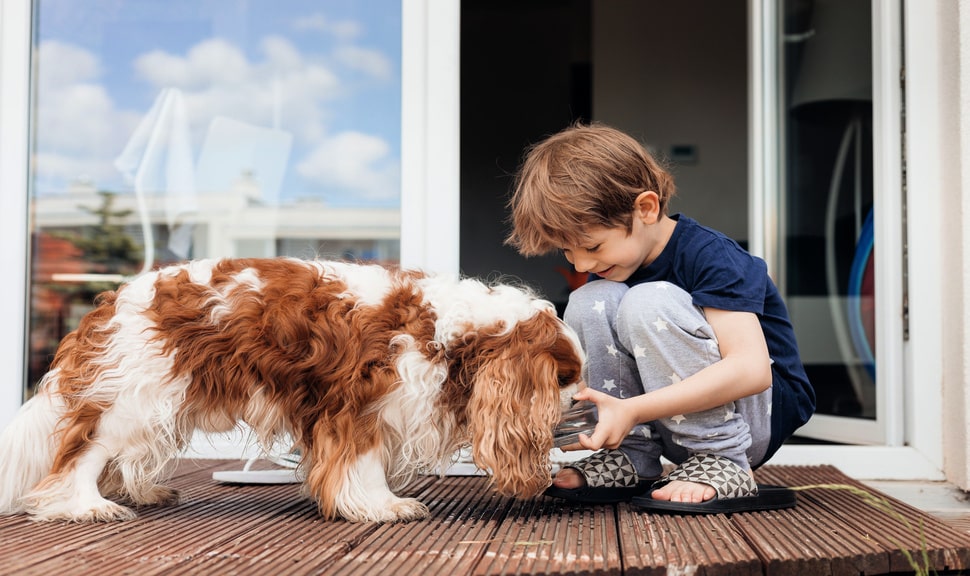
[[174, 129], [828, 204]]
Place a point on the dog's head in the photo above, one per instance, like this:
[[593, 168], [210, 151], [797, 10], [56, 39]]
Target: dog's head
[[521, 378]]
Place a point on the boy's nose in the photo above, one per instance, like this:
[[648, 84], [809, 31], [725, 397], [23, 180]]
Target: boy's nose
[[583, 264]]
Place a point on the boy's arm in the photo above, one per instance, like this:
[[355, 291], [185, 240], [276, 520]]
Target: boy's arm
[[744, 369]]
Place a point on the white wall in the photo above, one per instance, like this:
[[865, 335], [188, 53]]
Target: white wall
[[936, 350], [668, 87], [954, 80]]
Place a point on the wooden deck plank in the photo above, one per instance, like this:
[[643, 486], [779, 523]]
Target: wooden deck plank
[[464, 518], [544, 536], [806, 541], [293, 538], [209, 515], [28, 547], [902, 531], [260, 529], [664, 544]]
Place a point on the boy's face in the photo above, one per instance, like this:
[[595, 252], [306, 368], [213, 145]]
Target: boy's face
[[615, 253], [611, 253]]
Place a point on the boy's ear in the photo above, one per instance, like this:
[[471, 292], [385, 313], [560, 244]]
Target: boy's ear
[[647, 207]]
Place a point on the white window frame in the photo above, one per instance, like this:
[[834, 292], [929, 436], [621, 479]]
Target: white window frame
[[15, 27]]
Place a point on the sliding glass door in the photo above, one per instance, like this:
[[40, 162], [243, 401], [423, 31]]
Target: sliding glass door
[[831, 219]]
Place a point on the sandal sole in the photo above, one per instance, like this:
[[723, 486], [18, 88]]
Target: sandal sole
[[769, 497], [600, 494], [257, 476]]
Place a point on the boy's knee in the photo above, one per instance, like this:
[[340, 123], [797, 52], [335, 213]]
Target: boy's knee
[[651, 309], [653, 299], [590, 295], [597, 290]]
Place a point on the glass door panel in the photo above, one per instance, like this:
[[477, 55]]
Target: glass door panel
[[827, 233], [827, 208], [172, 129]]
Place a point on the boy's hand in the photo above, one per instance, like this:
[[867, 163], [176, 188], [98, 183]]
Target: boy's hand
[[614, 424]]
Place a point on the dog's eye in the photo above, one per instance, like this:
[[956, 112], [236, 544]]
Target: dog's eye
[[567, 379]]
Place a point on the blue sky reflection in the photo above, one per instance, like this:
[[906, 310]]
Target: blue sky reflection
[[326, 72]]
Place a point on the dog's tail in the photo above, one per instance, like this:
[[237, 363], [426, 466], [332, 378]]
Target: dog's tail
[[27, 449]]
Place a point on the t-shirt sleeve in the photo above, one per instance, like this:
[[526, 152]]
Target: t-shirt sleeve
[[727, 277]]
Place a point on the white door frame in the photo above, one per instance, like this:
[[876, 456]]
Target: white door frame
[[430, 134]]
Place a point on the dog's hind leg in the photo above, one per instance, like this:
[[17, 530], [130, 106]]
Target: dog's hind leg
[[112, 485], [123, 451], [27, 449], [145, 448], [72, 494], [140, 481]]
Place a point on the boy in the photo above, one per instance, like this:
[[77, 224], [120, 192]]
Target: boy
[[691, 352]]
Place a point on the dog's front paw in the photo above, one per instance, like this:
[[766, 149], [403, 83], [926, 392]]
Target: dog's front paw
[[392, 510], [107, 511], [406, 510]]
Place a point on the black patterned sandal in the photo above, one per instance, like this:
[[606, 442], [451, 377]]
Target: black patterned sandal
[[610, 477], [736, 489]]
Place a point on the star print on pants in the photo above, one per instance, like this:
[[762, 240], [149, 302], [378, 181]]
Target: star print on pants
[[660, 324]]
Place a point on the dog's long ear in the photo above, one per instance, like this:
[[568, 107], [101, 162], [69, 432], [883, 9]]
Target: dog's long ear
[[514, 405]]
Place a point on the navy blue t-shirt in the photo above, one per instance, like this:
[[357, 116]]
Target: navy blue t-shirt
[[718, 273]]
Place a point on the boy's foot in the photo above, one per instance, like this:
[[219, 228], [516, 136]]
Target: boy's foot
[[682, 491], [676, 491], [568, 479], [734, 487], [604, 477]]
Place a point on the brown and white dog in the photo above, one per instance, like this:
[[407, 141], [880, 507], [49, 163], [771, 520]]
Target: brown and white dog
[[376, 373]]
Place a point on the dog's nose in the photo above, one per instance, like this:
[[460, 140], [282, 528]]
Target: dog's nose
[[566, 394]]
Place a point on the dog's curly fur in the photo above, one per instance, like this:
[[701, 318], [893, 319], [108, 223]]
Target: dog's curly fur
[[376, 374]]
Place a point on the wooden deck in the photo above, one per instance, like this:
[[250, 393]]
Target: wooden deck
[[269, 529]]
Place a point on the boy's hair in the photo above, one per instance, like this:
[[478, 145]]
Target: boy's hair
[[585, 175]]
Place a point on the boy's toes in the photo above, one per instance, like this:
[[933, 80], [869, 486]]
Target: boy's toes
[[569, 479], [679, 491]]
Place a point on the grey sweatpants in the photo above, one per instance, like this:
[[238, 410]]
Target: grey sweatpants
[[648, 336]]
